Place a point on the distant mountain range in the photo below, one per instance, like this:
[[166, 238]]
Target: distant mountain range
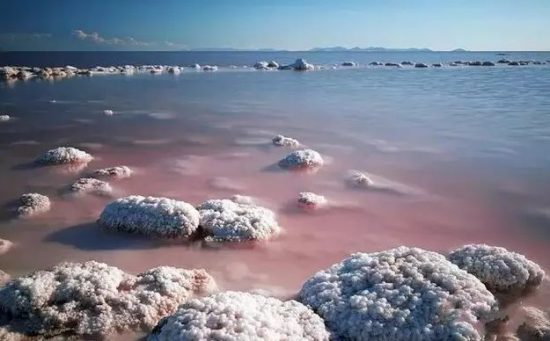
[[323, 49]]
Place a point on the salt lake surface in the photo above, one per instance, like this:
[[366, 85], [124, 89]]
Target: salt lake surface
[[470, 146]]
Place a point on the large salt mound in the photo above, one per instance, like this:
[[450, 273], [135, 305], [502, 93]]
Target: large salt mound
[[63, 155], [151, 216], [91, 186], [499, 269], [32, 204], [226, 220], [305, 158], [284, 141], [240, 316], [96, 299], [118, 172], [536, 326], [399, 294], [5, 246]]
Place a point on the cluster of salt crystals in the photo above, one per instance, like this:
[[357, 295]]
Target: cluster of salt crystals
[[499, 269], [311, 200], [5, 246], [302, 159], [359, 179], [151, 216], [117, 172], [32, 204], [227, 220], [4, 118], [399, 294], [63, 155], [94, 299], [284, 141], [240, 316], [536, 326], [91, 186]]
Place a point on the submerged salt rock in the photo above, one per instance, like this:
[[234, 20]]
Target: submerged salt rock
[[311, 200], [421, 65], [263, 65], [151, 216], [4, 118], [227, 220], [93, 298], [302, 65], [284, 141], [240, 316], [175, 70], [4, 278], [349, 64], [242, 199], [63, 155], [359, 179], [118, 172], [273, 64], [5, 246], [536, 326], [499, 269], [305, 158], [210, 68], [91, 186], [108, 112], [398, 294], [32, 204]]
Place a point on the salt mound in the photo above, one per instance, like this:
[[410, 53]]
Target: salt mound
[[93, 298], [311, 200], [240, 316], [91, 186], [108, 112], [32, 204], [226, 220], [399, 294], [499, 269], [284, 141], [421, 65], [349, 64], [536, 326], [305, 158], [118, 172], [302, 65], [210, 68], [5, 246], [359, 179], [4, 118], [262, 65], [151, 216], [63, 155]]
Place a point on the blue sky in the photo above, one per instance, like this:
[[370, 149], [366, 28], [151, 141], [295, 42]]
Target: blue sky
[[281, 24]]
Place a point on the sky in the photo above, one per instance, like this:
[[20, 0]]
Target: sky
[[481, 25]]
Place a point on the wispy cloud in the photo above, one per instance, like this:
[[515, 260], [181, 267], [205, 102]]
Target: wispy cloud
[[123, 41], [24, 36]]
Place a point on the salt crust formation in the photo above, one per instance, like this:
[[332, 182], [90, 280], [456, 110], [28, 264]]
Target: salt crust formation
[[499, 269], [359, 179], [5, 246], [536, 326], [399, 294], [4, 118], [227, 220], [117, 172], [63, 155], [240, 316], [311, 200], [304, 158], [93, 298], [108, 112], [33, 203], [91, 186], [151, 216], [284, 141]]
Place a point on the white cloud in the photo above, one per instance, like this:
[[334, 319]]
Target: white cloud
[[123, 41], [24, 36]]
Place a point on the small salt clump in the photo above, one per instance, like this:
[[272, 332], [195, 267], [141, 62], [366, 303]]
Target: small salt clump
[[210, 68], [226, 220], [240, 316], [94, 299], [91, 186], [32, 204], [151, 216], [242, 199], [399, 294], [305, 158], [4, 118], [359, 179], [499, 269], [63, 155], [536, 326], [302, 65], [284, 141], [108, 112], [261, 65], [117, 172], [5, 246], [311, 200]]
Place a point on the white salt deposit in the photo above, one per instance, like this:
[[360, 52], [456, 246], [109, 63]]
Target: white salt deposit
[[311, 200], [359, 179], [117, 172], [242, 199], [108, 112], [4, 118], [240, 316], [4, 278], [302, 65], [210, 68], [151, 216], [305, 158], [63, 155], [91, 186], [32, 204], [284, 141], [536, 326], [5, 246]]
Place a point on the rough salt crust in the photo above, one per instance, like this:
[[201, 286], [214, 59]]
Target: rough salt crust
[[311, 200], [226, 220], [399, 294], [63, 155], [151, 216], [359, 179], [4, 278], [108, 112], [118, 172], [32, 204], [5, 246], [91, 186], [94, 299], [242, 199], [284, 141], [499, 269], [240, 316], [305, 158], [536, 326], [4, 118]]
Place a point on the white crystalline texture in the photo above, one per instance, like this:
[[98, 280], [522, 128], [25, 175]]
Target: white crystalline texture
[[399, 294], [151, 216], [4, 278], [91, 186], [499, 269], [359, 179], [63, 155], [4, 118], [284, 141], [117, 172], [33, 203], [108, 112], [236, 316], [536, 326], [226, 220], [305, 158], [242, 199], [311, 200], [302, 65], [5, 246], [93, 298]]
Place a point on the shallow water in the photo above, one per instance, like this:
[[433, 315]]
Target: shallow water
[[467, 150]]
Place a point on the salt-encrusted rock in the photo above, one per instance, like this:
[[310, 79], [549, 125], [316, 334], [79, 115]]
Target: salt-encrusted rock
[[359, 179], [195, 66], [91, 186], [93, 298], [475, 63], [8, 335], [4, 118], [499, 269], [263, 65], [349, 64], [421, 65], [514, 63], [227, 220], [407, 62], [393, 64], [210, 68], [117, 172], [311, 200], [240, 316], [4, 278], [305, 158], [63, 155], [108, 112], [5, 246], [376, 63], [284, 141], [242, 199], [536, 326], [399, 294], [488, 64], [503, 61], [437, 65], [273, 64], [453, 64], [33, 203], [151, 216], [302, 65], [175, 70]]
